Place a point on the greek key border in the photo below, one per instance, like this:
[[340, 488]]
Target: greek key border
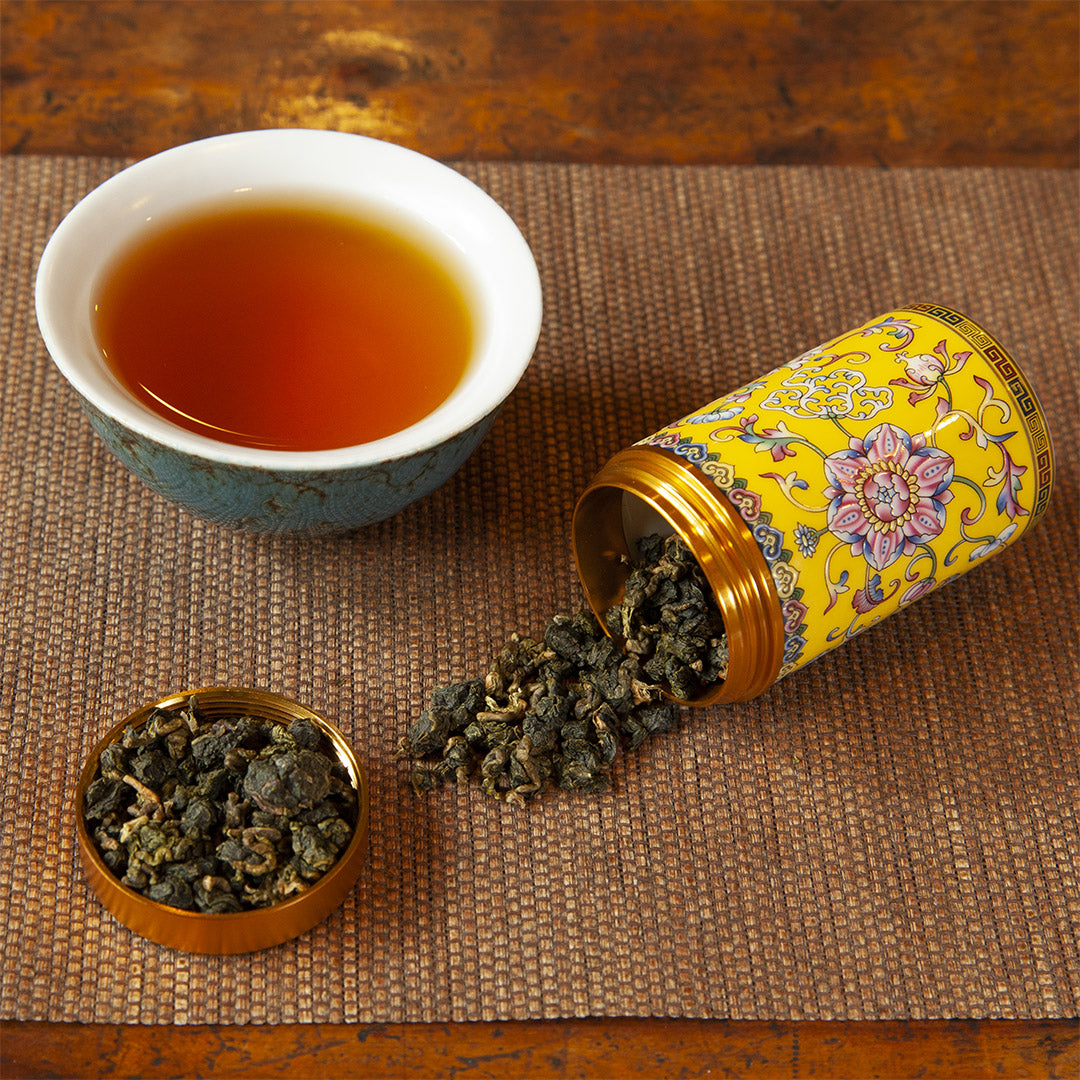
[[1024, 396]]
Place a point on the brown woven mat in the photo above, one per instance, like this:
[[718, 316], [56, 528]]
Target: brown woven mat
[[891, 833]]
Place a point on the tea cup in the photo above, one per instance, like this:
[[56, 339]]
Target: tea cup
[[291, 491]]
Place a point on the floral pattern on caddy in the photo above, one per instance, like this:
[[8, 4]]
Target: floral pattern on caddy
[[874, 468]]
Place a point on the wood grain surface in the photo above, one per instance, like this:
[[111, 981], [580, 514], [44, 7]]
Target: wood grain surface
[[752, 1050], [845, 82], [857, 82]]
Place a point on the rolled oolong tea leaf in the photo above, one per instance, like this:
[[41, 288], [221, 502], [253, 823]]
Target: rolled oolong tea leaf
[[557, 711], [220, 816], [288, 781]]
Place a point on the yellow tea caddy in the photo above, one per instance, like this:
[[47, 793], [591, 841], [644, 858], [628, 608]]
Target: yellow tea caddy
[[832, 491]]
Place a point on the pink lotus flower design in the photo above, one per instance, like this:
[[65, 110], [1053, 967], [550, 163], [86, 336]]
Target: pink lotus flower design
[[924, 368], [888, 493]]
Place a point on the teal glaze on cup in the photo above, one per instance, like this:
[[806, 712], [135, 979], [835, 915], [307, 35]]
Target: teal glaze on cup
[[302, 492], [310, 503]]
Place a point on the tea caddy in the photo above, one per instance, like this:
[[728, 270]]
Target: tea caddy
[[833, 491]]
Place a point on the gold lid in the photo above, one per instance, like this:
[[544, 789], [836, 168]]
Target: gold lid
[[243, 931], [720, 541]]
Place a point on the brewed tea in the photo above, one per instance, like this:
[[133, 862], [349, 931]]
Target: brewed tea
[[284, 327]]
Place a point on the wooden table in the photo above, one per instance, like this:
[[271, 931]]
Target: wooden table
[[876, 84], [836, 83]]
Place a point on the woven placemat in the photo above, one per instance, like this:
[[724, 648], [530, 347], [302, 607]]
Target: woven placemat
[[891, 833]]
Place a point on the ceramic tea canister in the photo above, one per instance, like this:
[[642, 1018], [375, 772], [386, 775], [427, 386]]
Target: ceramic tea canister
[[834, 490]]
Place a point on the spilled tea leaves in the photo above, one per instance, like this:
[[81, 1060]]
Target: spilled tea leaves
[[557, 711]]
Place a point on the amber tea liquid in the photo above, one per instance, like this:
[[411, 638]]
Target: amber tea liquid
[[284, 327]]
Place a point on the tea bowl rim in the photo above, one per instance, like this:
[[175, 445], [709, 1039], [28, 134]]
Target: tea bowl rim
[[396, 178]]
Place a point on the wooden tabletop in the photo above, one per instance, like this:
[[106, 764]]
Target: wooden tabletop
[[837, 82], [842, 82]]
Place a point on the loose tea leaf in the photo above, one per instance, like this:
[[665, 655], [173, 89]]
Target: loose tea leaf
[[219, 816], [557, 711]]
